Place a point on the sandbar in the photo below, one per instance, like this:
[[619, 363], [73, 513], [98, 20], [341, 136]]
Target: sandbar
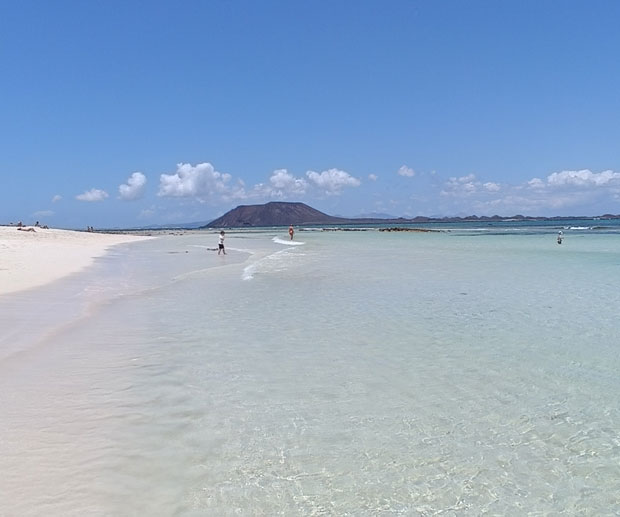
[[31, 258]]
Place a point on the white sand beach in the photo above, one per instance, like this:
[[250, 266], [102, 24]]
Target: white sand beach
[[33, 258]]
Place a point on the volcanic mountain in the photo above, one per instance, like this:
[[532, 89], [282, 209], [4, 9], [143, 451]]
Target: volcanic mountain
[[273, 214]]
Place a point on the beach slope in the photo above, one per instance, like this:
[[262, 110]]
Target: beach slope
[[34, 257]]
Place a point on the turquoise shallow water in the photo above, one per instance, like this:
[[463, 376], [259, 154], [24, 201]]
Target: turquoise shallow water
[[359, 373]]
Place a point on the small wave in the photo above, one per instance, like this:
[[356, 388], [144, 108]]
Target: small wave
[[248, 272], [579, 227], [273, 263], [277, 240], [242, 250]]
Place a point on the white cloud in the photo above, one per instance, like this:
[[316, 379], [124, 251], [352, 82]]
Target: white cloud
[[373, 177], [542, 203], [332, 181], [406, 171], [536, 183], [583, 178], [469, 187], [285, 183], [94, 194], [583, 190], [461, 186], [56, 198], [134, 188], [491, 186], [201, 182], [578, 192]]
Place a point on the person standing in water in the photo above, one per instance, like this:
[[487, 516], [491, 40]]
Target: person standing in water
[[220, 245], [560, 237], [291, 232]]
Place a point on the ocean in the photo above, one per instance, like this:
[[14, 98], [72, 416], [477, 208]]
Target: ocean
[[471, 370]]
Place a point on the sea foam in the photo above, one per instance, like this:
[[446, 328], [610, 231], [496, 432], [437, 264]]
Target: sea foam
[[278, 240]]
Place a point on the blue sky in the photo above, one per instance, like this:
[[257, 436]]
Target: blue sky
[[122, 114]]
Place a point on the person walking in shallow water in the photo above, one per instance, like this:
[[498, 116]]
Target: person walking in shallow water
[[220, 246], [291, 232], [560, 237]]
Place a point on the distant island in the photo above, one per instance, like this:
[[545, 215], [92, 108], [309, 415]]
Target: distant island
[[280, 213]]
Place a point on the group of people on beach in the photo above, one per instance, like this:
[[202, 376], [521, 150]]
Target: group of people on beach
[[220, 245], [24, 228]]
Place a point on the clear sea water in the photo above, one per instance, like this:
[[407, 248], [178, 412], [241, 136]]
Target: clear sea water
[[471, 371]]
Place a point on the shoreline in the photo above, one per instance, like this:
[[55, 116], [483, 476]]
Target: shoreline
[[34, 256]]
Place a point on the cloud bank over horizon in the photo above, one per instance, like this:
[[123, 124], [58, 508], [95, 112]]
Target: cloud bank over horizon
[[188, 188], [467, 194], [559, 191]]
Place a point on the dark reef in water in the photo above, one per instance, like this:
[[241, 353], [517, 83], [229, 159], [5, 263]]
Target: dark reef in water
[[399, 229]]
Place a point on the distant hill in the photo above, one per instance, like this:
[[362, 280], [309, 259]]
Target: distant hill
[[273, 214], [278, 213], [376, 215]]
